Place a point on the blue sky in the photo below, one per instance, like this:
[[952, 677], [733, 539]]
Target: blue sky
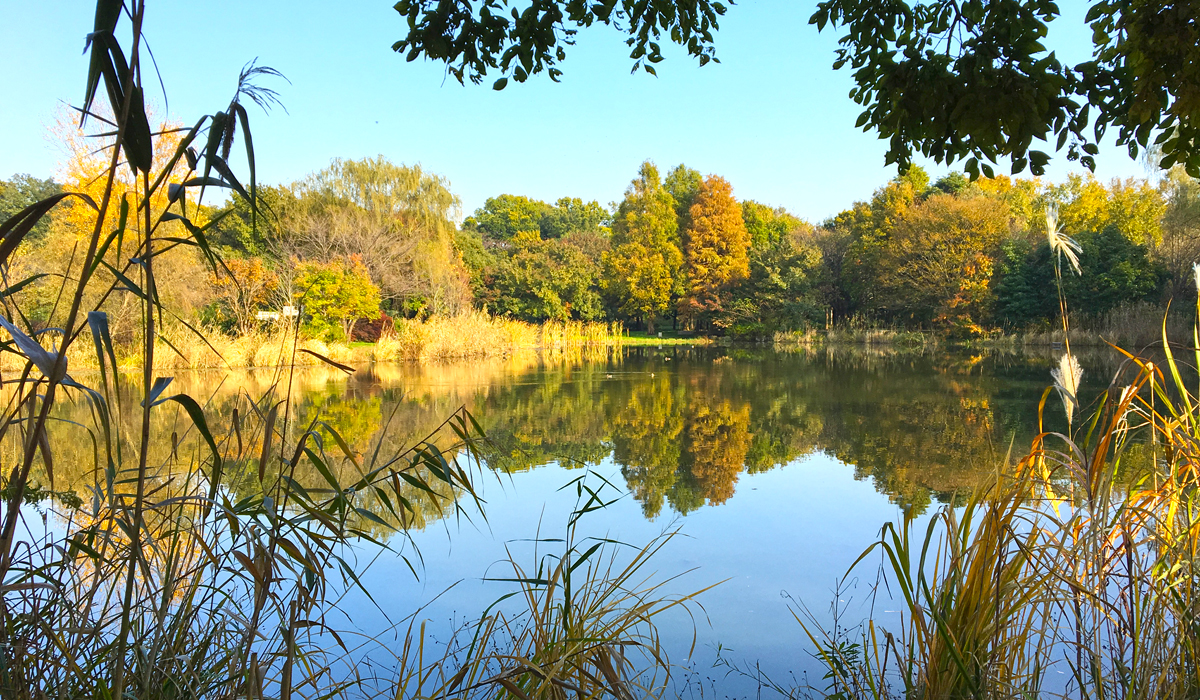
[[772, 117]]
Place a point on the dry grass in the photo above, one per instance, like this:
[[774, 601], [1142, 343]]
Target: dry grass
[[478, 335], [469, 336], [1136, 325]]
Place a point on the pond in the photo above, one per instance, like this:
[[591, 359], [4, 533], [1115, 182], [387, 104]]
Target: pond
[[777, 468]]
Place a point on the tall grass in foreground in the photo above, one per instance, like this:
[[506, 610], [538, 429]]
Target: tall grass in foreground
[[204, 561], [1071, 576], [581, 624]]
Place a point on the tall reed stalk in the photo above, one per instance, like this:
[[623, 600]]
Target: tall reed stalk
[[167, 581]]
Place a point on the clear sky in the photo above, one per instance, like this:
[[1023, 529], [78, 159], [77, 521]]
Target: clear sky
[[772, 117]]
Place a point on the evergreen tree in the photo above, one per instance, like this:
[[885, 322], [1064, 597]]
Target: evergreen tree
[[684, 184]]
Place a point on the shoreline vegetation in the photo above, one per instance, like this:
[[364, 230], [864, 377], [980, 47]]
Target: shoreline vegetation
[[478, 335]]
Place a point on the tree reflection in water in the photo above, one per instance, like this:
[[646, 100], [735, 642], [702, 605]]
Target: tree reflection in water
[[682, 424]]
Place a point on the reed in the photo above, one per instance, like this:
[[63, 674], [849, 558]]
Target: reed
[[581, 624], [193, 557], [477, 334], [1071, 565]]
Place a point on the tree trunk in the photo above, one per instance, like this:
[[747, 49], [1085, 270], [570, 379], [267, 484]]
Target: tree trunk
[[649, 325]]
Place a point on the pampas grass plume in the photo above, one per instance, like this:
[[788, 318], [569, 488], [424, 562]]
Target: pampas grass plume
[[1060, 244], [1066, 380]]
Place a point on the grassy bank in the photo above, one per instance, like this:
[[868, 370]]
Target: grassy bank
[[1132, 326], [468, 336]]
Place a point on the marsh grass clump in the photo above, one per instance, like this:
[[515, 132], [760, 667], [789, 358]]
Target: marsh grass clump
[[477, 334], [1072, 575], [580, 622]]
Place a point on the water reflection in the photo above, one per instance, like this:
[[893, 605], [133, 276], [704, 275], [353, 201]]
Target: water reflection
[[682, 424]]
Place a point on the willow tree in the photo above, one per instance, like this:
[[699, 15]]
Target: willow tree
[[641, 268], [398, 219], [716, 248]]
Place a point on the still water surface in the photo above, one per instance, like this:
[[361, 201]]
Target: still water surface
[[777, 468]]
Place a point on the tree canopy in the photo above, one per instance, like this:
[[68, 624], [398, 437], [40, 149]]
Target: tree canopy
[[643, 265], [953, 80]]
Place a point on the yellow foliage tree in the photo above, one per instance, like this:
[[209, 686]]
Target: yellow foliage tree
[[641, 266], [83, 169], [1133, 206], [939, 262]]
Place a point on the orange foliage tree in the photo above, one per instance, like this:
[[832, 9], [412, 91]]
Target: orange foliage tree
[[716, 248], [938, 264]]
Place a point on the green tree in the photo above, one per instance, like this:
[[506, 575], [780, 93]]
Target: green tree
[[335, 295], [252, 232], [765, 225], [507, 215], [950, 79], [684, 184], [573, 215], [1116, 271], [953, 182], [640, 270], [716, 248], [545, 280], [784, 291], [20, 191]]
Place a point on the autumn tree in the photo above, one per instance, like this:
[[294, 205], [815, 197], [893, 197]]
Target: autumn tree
[[938, 264], [716, 248], [181, 278], [717, 439], [642, 266], [1134, 206], [335, 295], [865, 231], [646, 431], [1181, 229], [244, 286]]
